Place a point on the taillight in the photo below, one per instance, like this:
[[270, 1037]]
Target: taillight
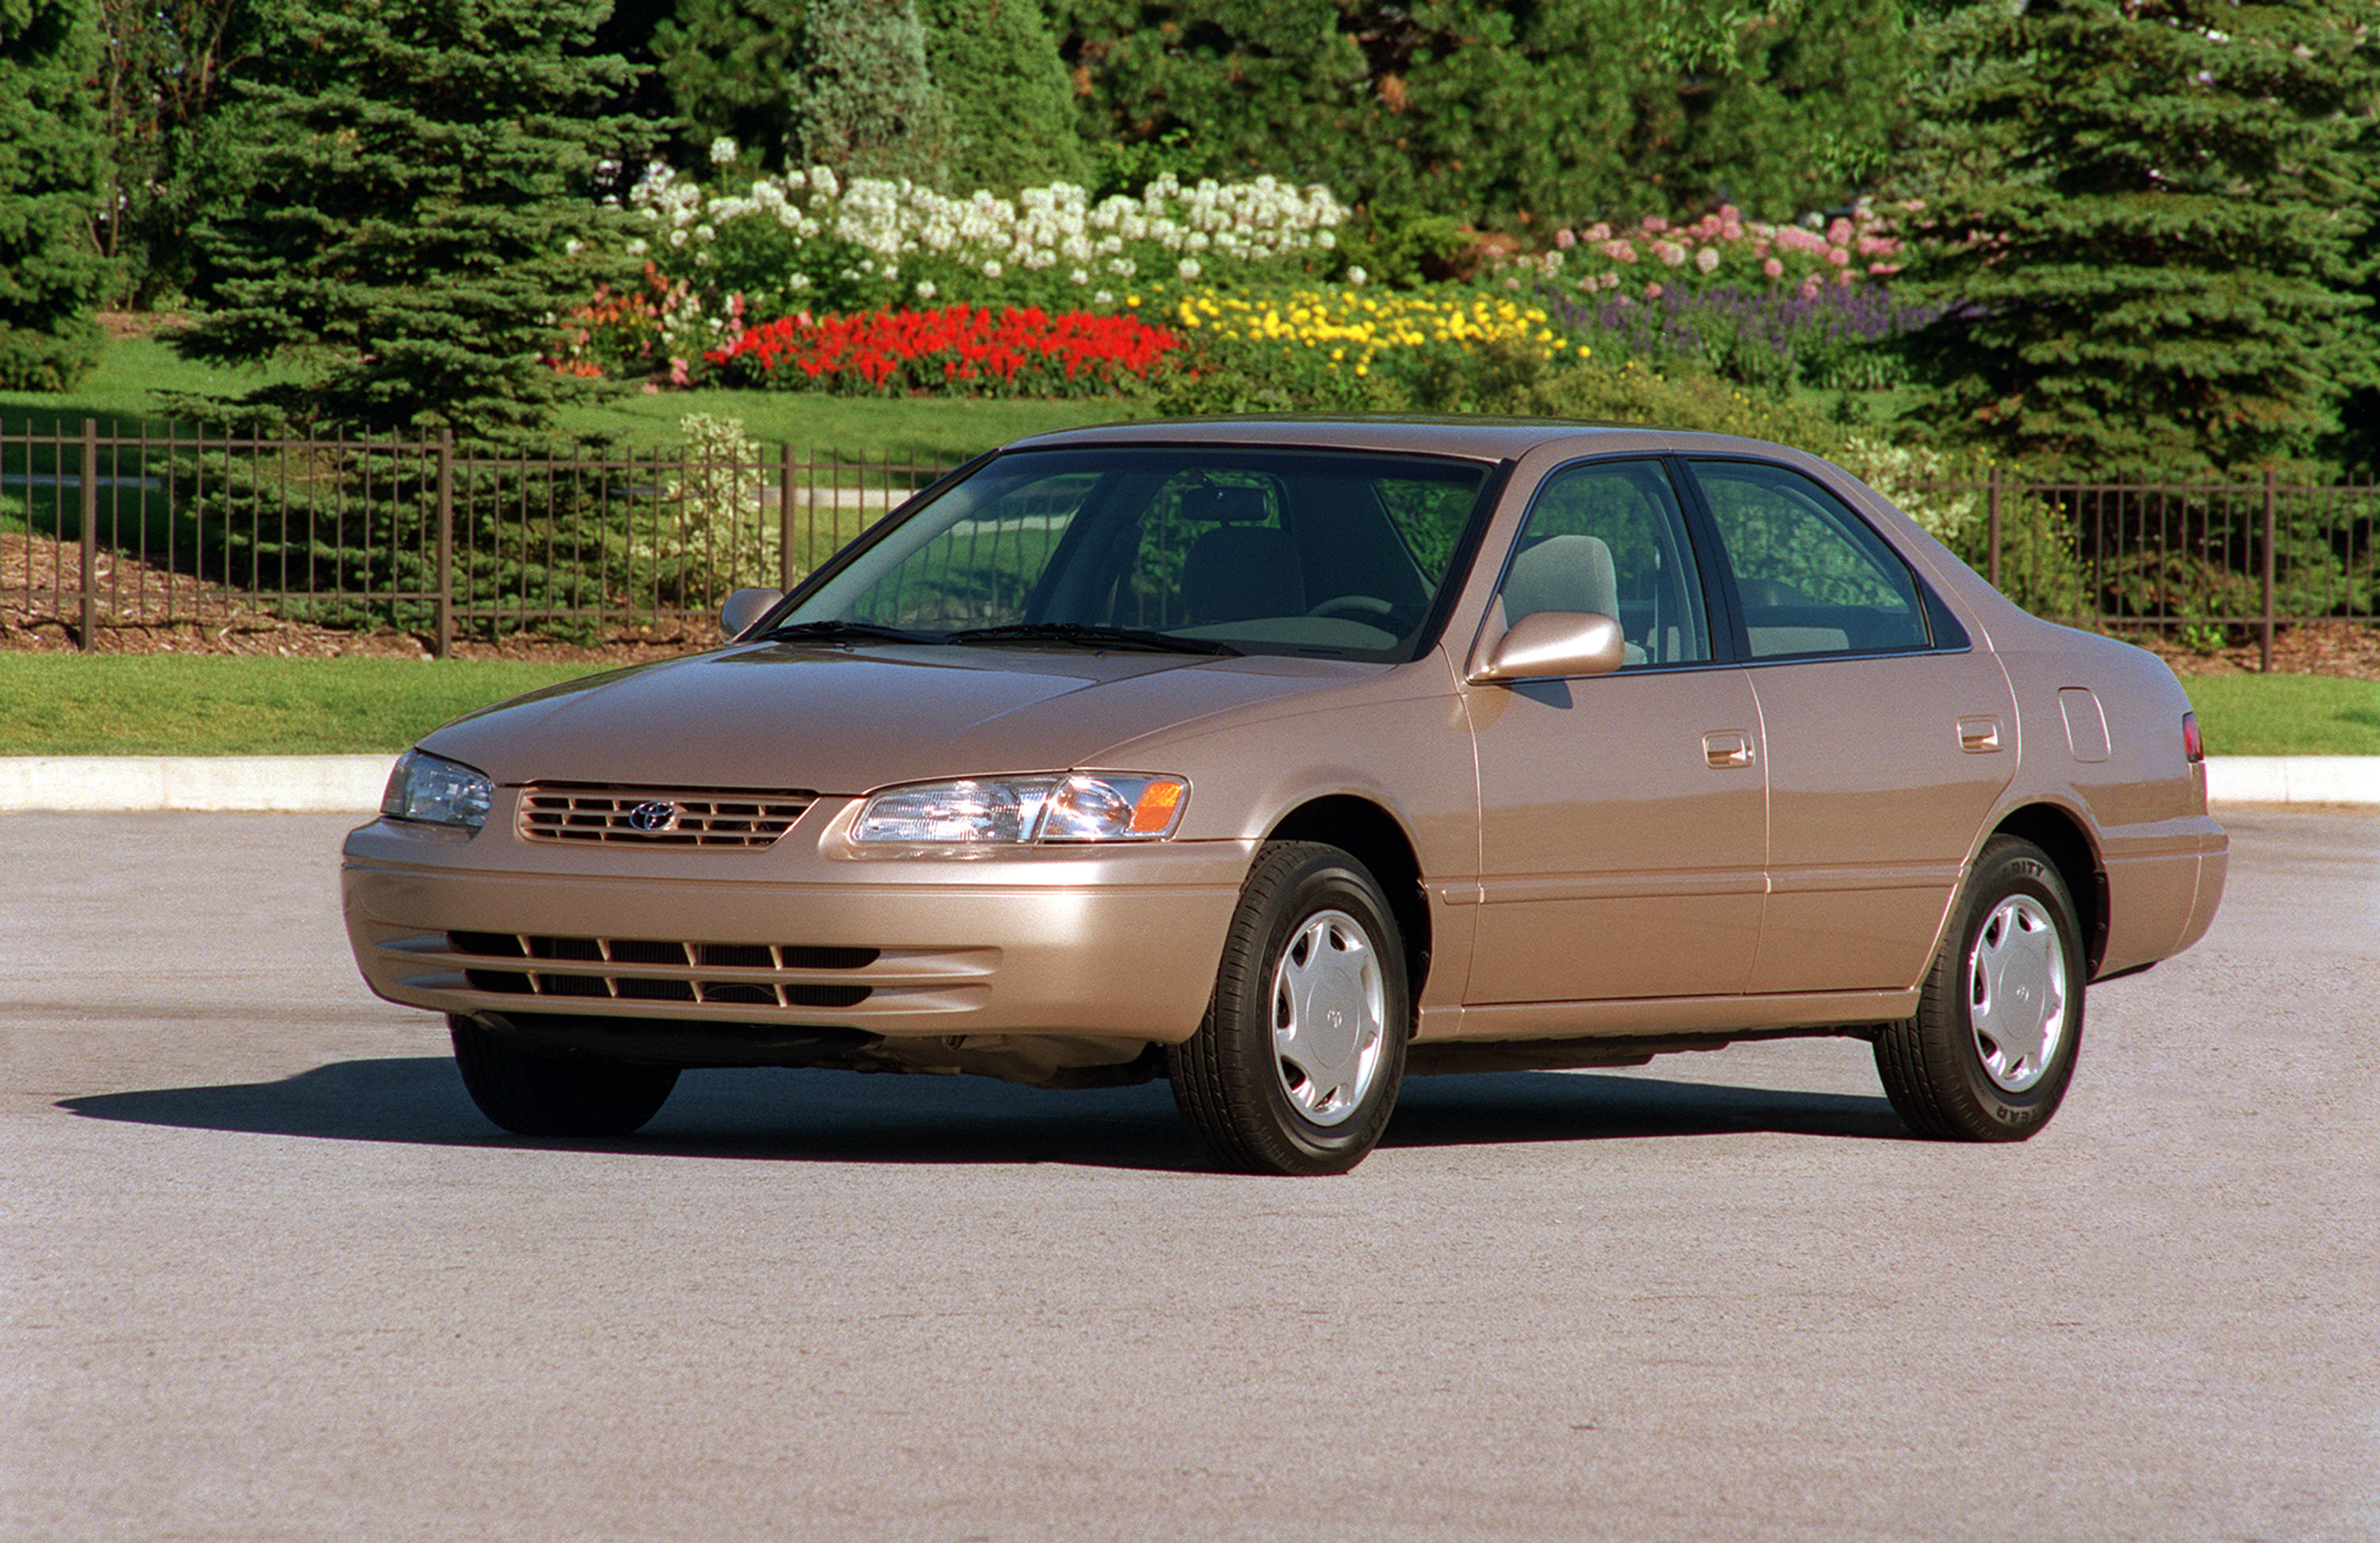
[[2194, 747]]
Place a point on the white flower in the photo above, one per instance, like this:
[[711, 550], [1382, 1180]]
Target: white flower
[[637, 247], [677, 238], [926, 289], [991, 269], [1325, 239], [722, 151], [1357, 275], [1079, 277], [1102, 298], [1188, 268]]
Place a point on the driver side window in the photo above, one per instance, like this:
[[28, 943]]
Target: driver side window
[[1609, 537]]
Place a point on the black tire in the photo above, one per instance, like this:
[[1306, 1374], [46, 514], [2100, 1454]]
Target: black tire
[[1999, 1019], [530, 1094], [1251, 1087]]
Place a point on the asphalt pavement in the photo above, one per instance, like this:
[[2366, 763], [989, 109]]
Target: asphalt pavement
[[265, 1273]]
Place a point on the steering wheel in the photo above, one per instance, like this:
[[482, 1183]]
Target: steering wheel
[[1352, 605]]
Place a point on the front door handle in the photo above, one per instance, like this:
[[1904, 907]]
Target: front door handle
[[1726, 749]]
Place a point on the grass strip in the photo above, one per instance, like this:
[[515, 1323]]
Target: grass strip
[[2286, 715], [223, 705]]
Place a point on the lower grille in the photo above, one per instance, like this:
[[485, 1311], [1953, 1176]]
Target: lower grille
[[641, 970]]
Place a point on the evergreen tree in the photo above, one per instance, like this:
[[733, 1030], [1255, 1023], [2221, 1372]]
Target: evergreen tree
[[730, 65], [861, 98], [2145, 233], [1011, 106], [421, 184], [52, 163]]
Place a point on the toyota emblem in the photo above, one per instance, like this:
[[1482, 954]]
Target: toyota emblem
[[654, 816]]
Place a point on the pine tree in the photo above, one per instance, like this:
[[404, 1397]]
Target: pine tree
[[1011, 106], [51, 165], [2146, 249], [421, 188]]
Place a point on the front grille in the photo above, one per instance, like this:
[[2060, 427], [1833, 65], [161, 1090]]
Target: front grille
[[656, 816], [642, 969]]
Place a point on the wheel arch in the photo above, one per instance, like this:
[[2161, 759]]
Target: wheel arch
[[2067, 843], [1372, 836]]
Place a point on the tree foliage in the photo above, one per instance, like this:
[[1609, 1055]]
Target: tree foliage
[[1010, 104], [1509, 110], [162, 86], [421, 179], [2148, 232], [729, 66], [52, 156], [861, 98]]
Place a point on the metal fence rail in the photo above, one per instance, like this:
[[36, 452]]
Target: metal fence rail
[[176, 527], [110, 528]]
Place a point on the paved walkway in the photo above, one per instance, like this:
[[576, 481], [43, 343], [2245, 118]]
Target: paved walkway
[[351, 784]]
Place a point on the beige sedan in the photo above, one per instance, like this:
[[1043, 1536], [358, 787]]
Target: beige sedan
[[1286, 758]]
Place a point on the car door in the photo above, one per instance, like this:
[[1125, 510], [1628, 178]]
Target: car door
[[1622, 814], [1888, 737]]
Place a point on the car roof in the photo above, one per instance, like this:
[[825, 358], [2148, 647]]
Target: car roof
[[1487, 439]]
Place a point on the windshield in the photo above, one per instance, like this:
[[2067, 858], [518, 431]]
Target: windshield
[[1205, 549]]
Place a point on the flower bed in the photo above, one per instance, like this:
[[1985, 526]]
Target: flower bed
[[1347, 327], [955, 349]]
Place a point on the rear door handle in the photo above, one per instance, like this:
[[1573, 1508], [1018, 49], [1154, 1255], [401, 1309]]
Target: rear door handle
[[1727, 750], [1979, 737]]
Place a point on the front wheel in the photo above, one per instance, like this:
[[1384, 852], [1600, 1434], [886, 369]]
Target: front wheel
[[1991, 1050], [1296, 1066], [530, 1094]]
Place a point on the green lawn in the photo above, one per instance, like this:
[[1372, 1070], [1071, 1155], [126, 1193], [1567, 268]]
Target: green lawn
[[857, 427], [180, 704], [2287, 715], [183, 704]]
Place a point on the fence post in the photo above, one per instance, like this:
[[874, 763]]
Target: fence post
[[1992, 535], [90, 533], [2266, 663], [786, 475], [442, 643]]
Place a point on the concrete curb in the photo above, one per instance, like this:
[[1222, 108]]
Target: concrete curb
[[286, 784], [351, 784]]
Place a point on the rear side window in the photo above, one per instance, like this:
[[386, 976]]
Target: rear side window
[[1814, 579]]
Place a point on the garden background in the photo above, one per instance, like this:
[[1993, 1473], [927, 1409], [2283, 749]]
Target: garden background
[[2087, 287]]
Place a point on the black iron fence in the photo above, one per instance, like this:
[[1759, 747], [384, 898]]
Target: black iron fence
[[102, 529], [2203, 564], [107, 529]]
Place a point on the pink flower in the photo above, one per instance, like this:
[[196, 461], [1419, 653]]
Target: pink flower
[[1655, 224], [1564, 240], [1839, 233], [1652, 291], [1773, 268], [1670, 252], [1707, 259], [1836, 256], [1810, 288]]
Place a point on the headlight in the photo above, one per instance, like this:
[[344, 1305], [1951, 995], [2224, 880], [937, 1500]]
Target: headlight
[[436, 792], [1085, 805]]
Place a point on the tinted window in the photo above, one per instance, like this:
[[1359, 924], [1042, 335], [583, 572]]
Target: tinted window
[[1265, 551], [1609, 537], [1813, 578]]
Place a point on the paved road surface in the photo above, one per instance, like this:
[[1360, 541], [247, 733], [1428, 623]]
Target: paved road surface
[[265, 1274]]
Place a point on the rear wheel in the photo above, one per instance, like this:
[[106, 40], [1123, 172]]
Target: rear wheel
[[1296, 1066], [530, 1094], [1991, 1050]]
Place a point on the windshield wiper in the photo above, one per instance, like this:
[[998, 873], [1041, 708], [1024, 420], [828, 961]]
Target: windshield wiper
[[842, 631], [1079, 632]]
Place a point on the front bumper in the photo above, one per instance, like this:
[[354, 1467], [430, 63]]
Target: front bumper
[[1113, 943]]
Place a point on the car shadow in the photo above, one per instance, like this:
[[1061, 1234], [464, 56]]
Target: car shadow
[[843, 1117]]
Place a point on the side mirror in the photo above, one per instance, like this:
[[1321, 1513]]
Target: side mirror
[[1554, 645], [745, 607]]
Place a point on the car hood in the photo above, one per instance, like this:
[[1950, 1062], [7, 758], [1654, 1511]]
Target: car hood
[[845, 720]]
